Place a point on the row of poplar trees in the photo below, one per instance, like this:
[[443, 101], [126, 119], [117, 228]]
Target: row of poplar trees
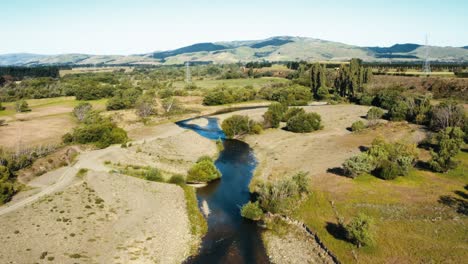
[[349, 80]]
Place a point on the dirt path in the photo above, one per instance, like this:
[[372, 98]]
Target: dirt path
[[65, 180]]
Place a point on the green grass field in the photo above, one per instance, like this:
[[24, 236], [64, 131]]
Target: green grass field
[[412, 224]]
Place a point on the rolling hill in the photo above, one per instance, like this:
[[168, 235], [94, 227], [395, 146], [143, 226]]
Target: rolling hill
[[282, 48]]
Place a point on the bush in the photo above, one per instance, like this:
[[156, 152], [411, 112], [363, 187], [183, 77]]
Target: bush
[[82, 110], [374, 113], [237, 125], [448, 144], [398, 111], [177, 179], [358, 126], [358, 230], [203, 171], [322, 93], [447, 114], [67, 138], [281, 196], [292, 112], [252, 211], [357, 165], [273, 115], [98, 131], [365, 99], [153, 174], [6, 191], [388, 170], [22, 106], [304, 123]]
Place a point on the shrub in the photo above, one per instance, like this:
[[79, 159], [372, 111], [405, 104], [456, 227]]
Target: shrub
[[302, 182], [322, 93], [358, 126], [205, 157], [366, 99], [203, 171], [273, 115], [177, 179], [144, 106], [22, 106], [1, 107], [67, 138], [358, 230], [6, 191], [304, 123], [153, 174], [398, 111], [447, 114], [374, 113], [98, 131], [281, 196], [357, 165], [292, 112], [252, 211], [448, 144], [388, 170], [82, 110], [237, 125]]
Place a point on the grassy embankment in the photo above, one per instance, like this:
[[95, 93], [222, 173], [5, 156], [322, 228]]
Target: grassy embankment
[[416, 218]]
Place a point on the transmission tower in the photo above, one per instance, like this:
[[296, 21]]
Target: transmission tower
[[188, 75], [426, 65]]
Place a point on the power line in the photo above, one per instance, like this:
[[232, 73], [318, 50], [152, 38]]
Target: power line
[[426, 65], [188, 75]]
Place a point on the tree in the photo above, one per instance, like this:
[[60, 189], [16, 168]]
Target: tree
[[351, 78], [448, 144], [274, 114], [304, 123], [203, 171], [145, 106], [358, 230], [1, 107], [237, 125], [447, 114], [22, 106], [81, 111], [317, 79]]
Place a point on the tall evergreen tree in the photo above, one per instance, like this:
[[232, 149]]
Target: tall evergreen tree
[[317, 77]]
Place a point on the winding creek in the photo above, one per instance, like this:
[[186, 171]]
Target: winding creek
[[230, 238]]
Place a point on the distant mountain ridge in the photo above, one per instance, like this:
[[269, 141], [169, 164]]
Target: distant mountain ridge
[[280, 48]]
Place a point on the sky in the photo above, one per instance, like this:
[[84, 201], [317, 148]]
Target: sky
[[142, 26]]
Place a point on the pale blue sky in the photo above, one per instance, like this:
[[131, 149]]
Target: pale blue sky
[[140, 26]]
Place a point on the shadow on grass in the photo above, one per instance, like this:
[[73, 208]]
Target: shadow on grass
[[459, 202], [337, 231], [363, 148]]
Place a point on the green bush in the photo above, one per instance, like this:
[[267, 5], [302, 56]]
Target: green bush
[[398, 111], [374, 113], [304, 123], [252, 211], [358, 230], [153, 174], [388, 170], [292, 112], [273, 115], [237, 125], [357, 165], [358, 126], [98, 131], [448, 144], [203, 171], [282, 196], [22, 106], [366, 99], [177, 179], [227, 95], [6, 191], [322, 93]]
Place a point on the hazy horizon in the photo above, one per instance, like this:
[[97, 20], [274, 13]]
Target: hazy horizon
[[141, 26]]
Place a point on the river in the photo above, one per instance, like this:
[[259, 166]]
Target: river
[[230, 237]]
